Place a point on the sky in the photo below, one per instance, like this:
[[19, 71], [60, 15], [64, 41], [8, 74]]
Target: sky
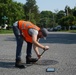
[[52, 5]]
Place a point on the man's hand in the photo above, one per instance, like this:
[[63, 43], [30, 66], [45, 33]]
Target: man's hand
[[46, 48], [39, 56]]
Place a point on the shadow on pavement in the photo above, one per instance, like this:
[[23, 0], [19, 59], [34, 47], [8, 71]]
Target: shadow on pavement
[[47, 62], [4, 64], [7, 64]]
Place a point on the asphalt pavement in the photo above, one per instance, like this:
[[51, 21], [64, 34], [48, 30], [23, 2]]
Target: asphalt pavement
[[61, 55]]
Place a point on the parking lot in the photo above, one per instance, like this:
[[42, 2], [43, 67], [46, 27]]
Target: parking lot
[[61, 55]]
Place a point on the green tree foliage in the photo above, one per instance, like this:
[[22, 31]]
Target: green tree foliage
[[67, 21], [31, 11], [46, 18], [13, 10], [74, 11], [60, 15], [5, 1]]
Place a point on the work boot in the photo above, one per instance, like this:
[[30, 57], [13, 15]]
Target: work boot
[[30, 60], [19, 64]]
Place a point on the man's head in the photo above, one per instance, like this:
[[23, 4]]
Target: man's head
[[42, 33]]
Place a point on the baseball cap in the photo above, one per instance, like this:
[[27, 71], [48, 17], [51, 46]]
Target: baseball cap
[[44, 32]]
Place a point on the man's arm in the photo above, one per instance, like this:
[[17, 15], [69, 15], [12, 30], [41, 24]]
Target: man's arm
[[36, 51], [35, 42]]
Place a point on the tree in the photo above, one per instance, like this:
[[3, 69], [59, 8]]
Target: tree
[[6, 1], [46, 18], [67, 21], [74, 11], [13, 10], [31, 11], [59, 15], [16, 11], [68, 11]]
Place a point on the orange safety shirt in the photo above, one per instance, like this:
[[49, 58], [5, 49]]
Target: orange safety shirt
[[24, 26]]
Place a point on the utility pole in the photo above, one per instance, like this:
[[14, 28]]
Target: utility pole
[[53, 21], [29, 14], [67, 10]]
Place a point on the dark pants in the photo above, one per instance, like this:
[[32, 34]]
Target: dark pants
[[20, 40]]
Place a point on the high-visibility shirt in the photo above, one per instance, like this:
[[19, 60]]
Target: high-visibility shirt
[[24, 26]]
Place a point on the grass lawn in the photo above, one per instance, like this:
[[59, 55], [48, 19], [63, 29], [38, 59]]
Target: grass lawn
[[11, 31], [72, 31], [6, 31]]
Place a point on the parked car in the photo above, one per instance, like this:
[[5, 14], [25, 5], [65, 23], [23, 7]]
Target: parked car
[[57, 28], [74, 27]]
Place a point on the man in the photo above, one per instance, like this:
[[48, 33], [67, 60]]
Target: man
[[25, 30]]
